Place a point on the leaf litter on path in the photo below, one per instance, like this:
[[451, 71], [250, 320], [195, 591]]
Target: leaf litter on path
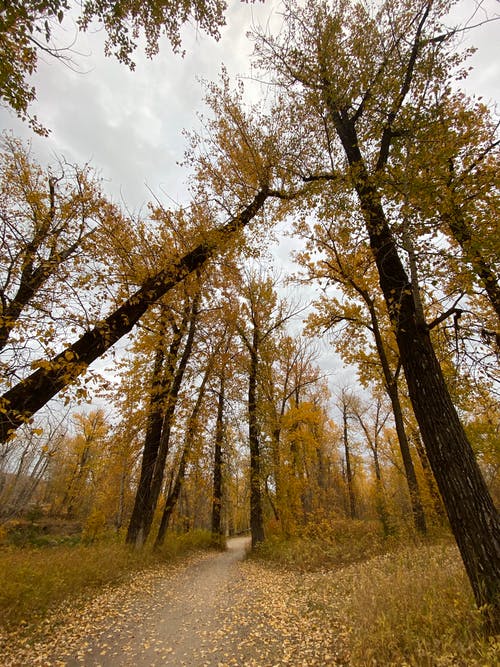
[[211, 610]]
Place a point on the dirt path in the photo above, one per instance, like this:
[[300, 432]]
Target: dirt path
[[215, 610], [174, 622]]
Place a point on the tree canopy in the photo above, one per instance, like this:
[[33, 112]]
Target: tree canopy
[[29, 29]]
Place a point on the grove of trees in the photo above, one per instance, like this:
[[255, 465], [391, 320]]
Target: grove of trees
[[219, 414]]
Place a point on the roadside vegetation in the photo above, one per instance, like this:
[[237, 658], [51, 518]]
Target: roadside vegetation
[[401, 604], [34, 579]]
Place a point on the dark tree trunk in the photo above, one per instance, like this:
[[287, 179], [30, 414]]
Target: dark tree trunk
[[380, 501], [217, 471], [174, 492], [391, 386], [256, 516], [171, 403], [135, 532], [158, 438], [348, 468], [27, 397], [472, 514], [172, 497], [163, 370]]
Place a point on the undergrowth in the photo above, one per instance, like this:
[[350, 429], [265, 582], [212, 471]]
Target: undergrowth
[[34, 580], [325, 545], [404, 604]]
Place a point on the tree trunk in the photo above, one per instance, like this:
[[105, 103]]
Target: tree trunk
[[172, 497], [349, 475], [173, 494], [256, 516], [158, 437], [472, 514], [380, 501], [171, 403], [27, 397], [217, 471], [136, 533]]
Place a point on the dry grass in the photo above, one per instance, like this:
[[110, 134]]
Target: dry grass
[[411, 605], [34, 580], [325, 545], [416, 608]]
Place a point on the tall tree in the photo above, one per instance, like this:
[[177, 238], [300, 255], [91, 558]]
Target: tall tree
[[261, 316], [168, 374], [363, 75], [191, 432], [218, 460], [287, 371], [347, 263], [345, 400]]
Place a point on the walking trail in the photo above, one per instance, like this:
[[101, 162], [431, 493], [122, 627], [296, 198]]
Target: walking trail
[[210, 610]]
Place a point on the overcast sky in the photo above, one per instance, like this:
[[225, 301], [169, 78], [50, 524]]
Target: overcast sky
[[129, 124]]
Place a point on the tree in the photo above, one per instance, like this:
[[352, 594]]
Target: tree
[[373, 437], [76, 466], [51, 226], [287, 371], [261, 316], [18, 404], [362, 78], [192, 426], [171, 358], [218, 458], [25, 466], [27, 29], [346, 262], [345, 401], [462, 195]]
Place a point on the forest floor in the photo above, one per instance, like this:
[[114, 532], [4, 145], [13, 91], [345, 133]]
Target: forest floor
[[214, 609]]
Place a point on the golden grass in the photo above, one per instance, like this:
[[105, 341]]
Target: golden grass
[[415, 607], [411, 605], [34, 580], [325, 545]]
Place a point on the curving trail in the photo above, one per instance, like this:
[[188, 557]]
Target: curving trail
[[174, 622], [211, 610]]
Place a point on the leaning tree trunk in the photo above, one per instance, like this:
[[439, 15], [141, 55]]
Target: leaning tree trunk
[[27, 397]]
